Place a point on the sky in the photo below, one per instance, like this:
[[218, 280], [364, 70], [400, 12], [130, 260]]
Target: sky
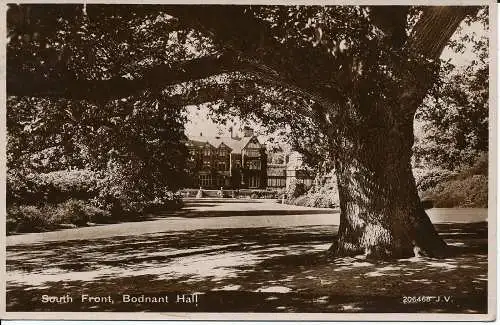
[[199, 122]]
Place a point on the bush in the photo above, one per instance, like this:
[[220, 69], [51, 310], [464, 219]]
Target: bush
[[324, 194], [27, 218], [428, 178], [79, 213], [30, 218], [471, 192], [121, 189], [296, 189], [53, 187], [480, 167], [168, 201], [257, 193], [466, 189], [127, 193]]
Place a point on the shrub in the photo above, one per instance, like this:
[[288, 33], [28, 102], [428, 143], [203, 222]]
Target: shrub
[[127, 192], [323, 194], [427, 178], [71, 181], [53, 187], [167, 201], [471, 192], [257, 193], [466, 189], [27, 218], [30, 218], [121, 189], [77, 212], [296, 189], [17, 186], [480, 167]]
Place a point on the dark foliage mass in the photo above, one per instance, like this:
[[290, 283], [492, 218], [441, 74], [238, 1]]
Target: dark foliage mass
[[455, 113], [124, 155]]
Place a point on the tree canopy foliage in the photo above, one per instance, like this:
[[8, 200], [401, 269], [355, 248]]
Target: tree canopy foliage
[[133, 142], [455, 112]]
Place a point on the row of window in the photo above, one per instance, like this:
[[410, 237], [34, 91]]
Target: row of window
[[209, 152], [252, 152], [208, 181], [223, 152], [276, 181], [252, 165], [220, 165]]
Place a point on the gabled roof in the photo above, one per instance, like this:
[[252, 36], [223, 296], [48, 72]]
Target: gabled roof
[[236, 145], [194, 143]]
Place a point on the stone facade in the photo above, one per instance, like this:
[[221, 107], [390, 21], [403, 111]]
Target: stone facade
[[227, 162]]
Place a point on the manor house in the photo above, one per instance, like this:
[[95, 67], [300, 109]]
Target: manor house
[[237, 162]]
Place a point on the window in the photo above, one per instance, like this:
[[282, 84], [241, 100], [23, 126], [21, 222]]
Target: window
[[205, 180], [222, 166], [253, 152], [222, 152], [207, 151], [276, 182], [254, 164], [254, 181]]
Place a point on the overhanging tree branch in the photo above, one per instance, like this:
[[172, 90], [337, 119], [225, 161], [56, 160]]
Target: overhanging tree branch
[[236, 29], [435, 28], [156, 78], [429, 38]]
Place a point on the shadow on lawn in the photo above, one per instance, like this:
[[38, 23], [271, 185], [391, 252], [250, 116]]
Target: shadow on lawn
[[252, 270], [192, 213]]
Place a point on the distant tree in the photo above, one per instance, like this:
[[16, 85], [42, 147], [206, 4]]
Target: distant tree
[[347, 80], [455, 112], [134, 141]]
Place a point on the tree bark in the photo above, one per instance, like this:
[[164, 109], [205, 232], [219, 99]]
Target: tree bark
[[381, 214]]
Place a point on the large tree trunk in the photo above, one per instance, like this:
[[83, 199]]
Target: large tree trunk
[[381, 214]]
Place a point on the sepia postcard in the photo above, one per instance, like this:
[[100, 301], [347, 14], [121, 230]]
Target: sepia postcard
[[249, 160]]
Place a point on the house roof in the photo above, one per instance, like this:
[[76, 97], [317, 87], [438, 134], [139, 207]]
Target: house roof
[[236, 145]]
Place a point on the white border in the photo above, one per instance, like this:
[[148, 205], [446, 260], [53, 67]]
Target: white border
[[492, 202]]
